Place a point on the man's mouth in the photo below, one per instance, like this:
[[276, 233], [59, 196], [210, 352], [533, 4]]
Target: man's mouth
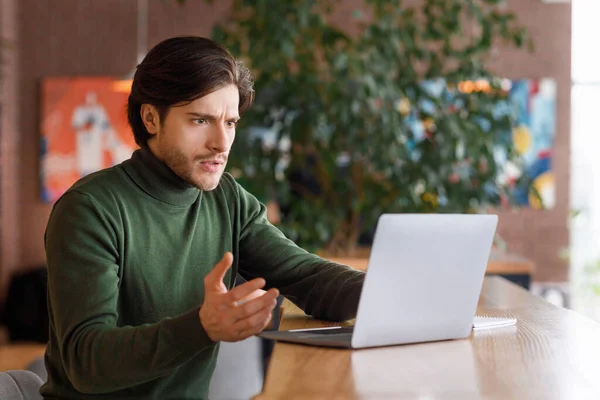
[[211, 165], [214, 162]]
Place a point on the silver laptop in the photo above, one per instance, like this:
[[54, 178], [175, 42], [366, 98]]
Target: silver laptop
[[422, 284]]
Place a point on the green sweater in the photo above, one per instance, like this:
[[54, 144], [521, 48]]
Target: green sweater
[[127, 250]]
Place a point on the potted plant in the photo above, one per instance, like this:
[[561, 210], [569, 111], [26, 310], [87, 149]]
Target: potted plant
[[392, 110]]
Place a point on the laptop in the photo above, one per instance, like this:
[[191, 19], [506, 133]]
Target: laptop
[[422, 284]]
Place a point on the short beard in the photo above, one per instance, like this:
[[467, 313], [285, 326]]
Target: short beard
[[178, 163]]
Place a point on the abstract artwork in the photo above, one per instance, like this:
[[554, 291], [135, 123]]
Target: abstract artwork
[[532, 104], [83, 129]]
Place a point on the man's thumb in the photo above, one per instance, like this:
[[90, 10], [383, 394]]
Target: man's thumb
[[216, 276]]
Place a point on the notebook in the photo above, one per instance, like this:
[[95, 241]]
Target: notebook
[[486, 322]]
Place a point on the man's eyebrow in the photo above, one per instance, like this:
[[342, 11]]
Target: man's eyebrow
[[209, 116]]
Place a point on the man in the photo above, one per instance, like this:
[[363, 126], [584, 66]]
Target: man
[[142, 256]]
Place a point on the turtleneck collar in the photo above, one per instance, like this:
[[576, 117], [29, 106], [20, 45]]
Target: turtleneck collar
[[158, 180]]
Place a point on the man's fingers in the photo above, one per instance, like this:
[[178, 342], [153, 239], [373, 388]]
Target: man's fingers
[[255, 330], [256, 305], [253, 295], [214, 279], [245, 289], [254, 323]]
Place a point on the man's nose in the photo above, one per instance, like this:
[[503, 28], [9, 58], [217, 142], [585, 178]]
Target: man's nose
[[219, 141]]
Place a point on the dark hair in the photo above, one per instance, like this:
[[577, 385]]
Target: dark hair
[[180, 70]]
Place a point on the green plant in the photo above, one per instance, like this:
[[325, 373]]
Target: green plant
[[345, 99]]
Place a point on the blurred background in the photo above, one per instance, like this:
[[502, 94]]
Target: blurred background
[[362, 107]]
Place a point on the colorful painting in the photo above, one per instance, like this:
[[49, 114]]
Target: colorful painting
[[84, 129], [532, 102]]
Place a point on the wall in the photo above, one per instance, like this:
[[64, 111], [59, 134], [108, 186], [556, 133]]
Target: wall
[[98, 38], [9, 128], [540, 235]]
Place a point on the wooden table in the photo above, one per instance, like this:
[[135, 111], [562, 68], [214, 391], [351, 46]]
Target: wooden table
[[552, 353]]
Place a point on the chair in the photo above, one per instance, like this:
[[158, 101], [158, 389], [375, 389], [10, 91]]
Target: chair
[[20, 385], [241, 366], [239, 370], [38, 367]]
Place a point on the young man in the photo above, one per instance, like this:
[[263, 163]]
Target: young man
[[142, 256]]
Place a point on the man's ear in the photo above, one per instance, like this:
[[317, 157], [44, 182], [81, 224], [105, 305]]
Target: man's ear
[[150, 118]]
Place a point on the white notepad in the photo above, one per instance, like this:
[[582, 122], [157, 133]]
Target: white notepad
[[485, 322]]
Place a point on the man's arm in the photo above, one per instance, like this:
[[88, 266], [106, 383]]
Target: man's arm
[[322, 289], [83, 281]]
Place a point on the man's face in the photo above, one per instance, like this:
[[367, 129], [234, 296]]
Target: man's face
[[194, 139]]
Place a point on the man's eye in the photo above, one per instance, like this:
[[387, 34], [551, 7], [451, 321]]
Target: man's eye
[[231, 124], [200, 121]]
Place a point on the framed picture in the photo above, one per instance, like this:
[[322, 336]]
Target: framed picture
[[534, 102], [83, 129]]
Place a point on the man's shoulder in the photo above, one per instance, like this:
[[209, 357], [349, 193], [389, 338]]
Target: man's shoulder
[[99, 185]]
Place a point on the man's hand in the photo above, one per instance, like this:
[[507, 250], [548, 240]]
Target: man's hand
[[239, 313]]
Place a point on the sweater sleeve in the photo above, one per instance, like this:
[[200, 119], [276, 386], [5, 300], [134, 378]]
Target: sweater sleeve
[[322, 289], [83, 288]]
